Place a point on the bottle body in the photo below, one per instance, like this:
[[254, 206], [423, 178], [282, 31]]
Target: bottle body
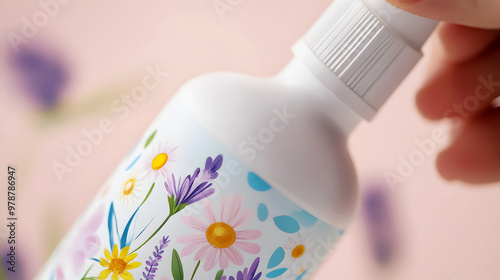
[[182, 204], [245, 178]]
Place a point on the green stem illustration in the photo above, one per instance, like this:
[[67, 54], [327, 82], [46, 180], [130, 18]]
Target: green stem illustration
[[87, 272], [195, 269], [154, 233], [147, 196]]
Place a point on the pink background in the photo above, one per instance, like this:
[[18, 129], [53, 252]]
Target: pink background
[[444, 230]]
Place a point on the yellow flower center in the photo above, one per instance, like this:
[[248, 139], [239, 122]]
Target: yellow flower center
[[117, 265], [159, 161], [298, 251], [129, 186], [220, 235]]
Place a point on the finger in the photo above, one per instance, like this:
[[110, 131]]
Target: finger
[[458, 43], [474, 156], [477, 13], [463, 90]]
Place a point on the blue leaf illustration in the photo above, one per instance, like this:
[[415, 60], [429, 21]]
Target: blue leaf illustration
[[133, 162], [276, 273], [257, 183], [287, 224], [304, 218], [143, 229], [262, 212], [276, 258], [112, 226], [127, 237]]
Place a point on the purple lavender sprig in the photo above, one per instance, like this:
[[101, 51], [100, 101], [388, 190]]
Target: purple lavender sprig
[[211, 167], [247, 273], [194, 187], [152, 263]]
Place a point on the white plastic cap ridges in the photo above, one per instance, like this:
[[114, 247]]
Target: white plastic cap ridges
[[361, 50]]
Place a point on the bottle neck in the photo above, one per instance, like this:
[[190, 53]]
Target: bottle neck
[[361, 53], [296, 75]]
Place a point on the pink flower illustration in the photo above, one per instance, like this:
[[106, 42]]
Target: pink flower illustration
[[221, 238], [86, 243], [58, 274]]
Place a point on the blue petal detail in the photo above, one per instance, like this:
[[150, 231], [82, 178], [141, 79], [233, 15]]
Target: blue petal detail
[[276, 273], [257, 183], [341, 232], [304, 218], [133, 162], [287, 224], [277, 257], [262, 212]]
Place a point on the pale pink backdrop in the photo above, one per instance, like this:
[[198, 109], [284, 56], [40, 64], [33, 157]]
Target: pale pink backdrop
[[445, 231]]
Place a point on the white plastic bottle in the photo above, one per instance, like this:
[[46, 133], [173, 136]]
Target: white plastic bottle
[[246, 178]]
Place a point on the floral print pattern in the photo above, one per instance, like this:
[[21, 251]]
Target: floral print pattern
[[193, 188], [152, 263], [298, 249], [246, 231], [130, 187], [118, 264], [247, 273], [221, 238], [159, 160]]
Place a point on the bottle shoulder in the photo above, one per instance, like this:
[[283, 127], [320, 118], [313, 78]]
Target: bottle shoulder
[[282, 134], [247, 98]]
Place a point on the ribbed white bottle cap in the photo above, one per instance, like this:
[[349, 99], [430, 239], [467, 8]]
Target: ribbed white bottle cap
[[361, 50]]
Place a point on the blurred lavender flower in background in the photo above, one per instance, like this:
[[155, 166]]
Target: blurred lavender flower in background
[[14, 261], [375, 204], [41, 74]]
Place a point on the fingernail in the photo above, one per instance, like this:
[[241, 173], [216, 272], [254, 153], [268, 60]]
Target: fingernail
[[401, 4], [399, 1]]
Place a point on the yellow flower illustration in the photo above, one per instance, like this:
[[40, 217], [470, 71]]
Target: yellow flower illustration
[[118, 263]]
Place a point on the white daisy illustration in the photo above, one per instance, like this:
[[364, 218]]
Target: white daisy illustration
[[298, 249], [158, 161], [130, 187]]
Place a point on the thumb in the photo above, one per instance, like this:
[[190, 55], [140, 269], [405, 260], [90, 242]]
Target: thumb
[[475, 13]]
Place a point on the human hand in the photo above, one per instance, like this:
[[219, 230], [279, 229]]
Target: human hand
[[464, 83]]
